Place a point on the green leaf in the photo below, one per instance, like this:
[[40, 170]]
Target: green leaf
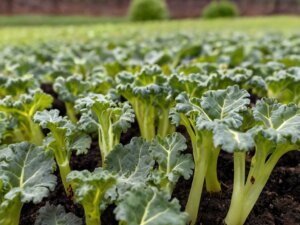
[[22, 111], [172, 163], [56, 215], [285, 85], [149, 207], [50, 118], [15, 86], [27, 104], [61, 128], [232, 140], [89, 189], [27, 172], [110, 117], [224, 78], [222, 106], [71, 88], [132, 160], [193, 84], [279, 122], [64, 137], [133, 164]]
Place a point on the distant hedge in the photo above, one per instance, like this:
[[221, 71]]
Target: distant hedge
[[142, 10], [219, 9]]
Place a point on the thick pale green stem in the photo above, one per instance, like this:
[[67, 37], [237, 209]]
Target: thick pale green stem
[[106, 136], [62, 157], [64, 170], [192, 206], [234, 216], [259, 178], [92, 218], [211, 178], [164, 125], [103, 145], [71, 112], [36, 135], [11, 215], [146, 119], [246, 195]]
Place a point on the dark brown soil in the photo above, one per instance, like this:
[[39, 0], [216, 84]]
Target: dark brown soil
[[279, 203]]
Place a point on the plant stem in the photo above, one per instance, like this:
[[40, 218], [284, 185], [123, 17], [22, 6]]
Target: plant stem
[[92, 218], [259, 178], [146, 118], [164, 126], [71, 112], [36, 135], [211, 178], [234, 216], [64, 170], [12, 213], [192, 206]]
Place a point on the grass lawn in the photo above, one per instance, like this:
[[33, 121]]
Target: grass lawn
[[34, 29]]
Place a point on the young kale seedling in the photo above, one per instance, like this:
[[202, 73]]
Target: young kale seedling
[[201, 116], [64, 137], [107, 116], [277, 132]]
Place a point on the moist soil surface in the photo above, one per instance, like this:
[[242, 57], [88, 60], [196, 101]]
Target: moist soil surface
[[279, 203]]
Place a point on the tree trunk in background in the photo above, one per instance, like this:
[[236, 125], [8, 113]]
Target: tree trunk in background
[[55, 6], [9, 6], [277, 6]]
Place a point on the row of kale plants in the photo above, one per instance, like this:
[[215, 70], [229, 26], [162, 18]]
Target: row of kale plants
[[223, 107]]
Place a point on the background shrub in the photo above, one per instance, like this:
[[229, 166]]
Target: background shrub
[[141, 10], [219, 9]]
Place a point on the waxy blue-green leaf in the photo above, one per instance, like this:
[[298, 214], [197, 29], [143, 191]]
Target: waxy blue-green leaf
[[56, 215], [27, 172], [279, 122], [214, 107], [132, 163], [89, 189], [172, 163], [71, 88], [285, 86], [231, 140], [222, 106], [149, 207]]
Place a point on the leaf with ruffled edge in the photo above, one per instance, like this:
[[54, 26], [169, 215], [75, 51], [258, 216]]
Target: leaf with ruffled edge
[[56, 215], [149, 207]]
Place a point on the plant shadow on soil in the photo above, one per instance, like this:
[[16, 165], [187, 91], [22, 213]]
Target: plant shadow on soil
[[279, 203]]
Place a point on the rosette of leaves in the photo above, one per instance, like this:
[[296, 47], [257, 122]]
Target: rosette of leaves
[[285, 85], [69, 90], [109, 118], [276, 132], [16, 86], [73, 87], [224, 77], [172, 163], [151, 98], [192, 84], [89, 190], [201, 118], [25, 176], [63, 139], [20, 113]]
